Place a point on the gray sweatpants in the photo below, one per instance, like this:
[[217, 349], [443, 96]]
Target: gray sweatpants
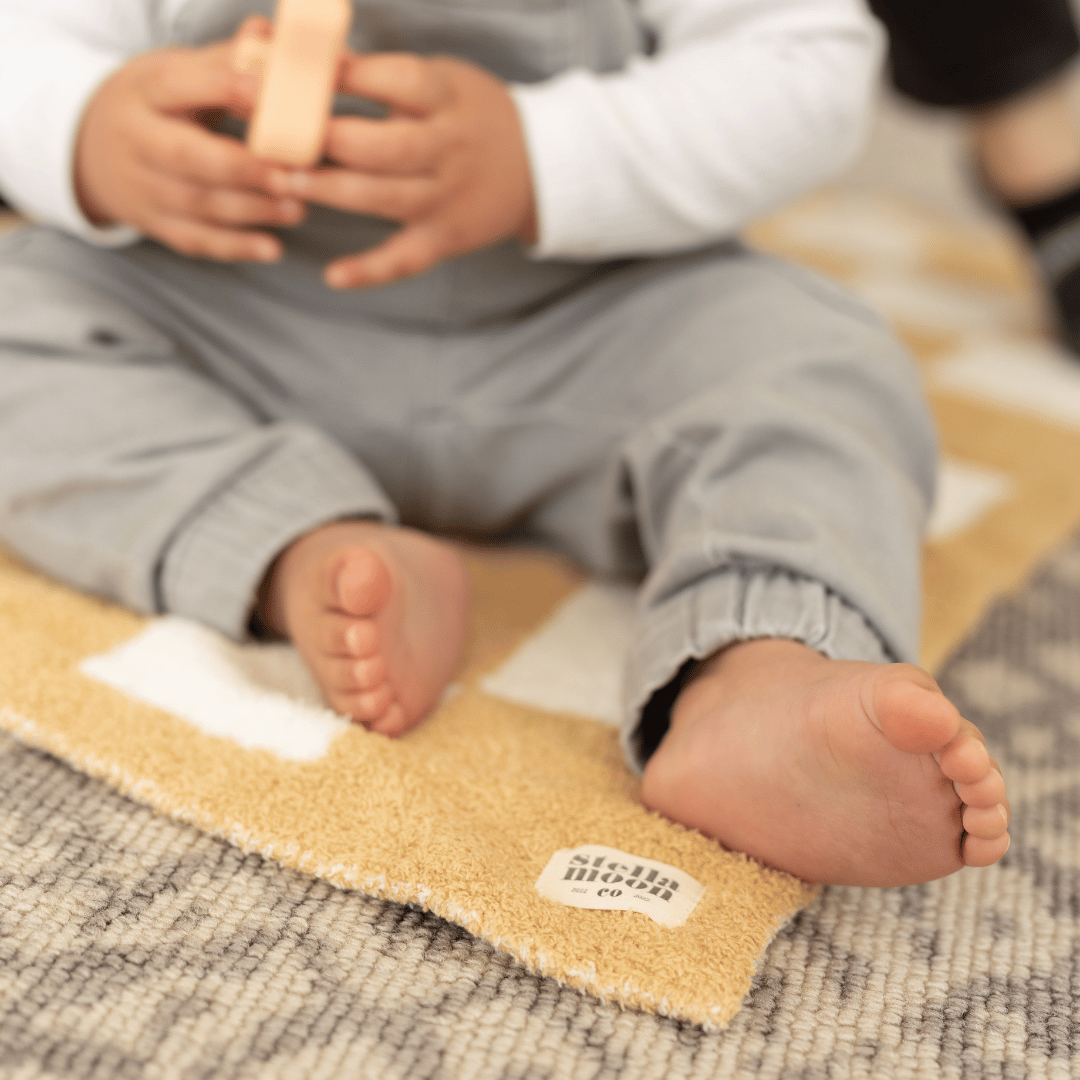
[[744, 438]]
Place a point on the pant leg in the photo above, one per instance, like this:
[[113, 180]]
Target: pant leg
[[970, 53], [746, 437], [126, 468], [791, 504], [168, 425], [742, 434]]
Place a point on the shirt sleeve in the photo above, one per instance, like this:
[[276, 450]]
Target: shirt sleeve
[[53, 56], [743, 105]]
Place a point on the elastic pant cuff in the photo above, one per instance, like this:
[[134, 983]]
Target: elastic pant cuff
[[216, 562], [731, 606]]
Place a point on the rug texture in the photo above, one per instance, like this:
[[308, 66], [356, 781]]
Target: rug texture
[[135, 945]]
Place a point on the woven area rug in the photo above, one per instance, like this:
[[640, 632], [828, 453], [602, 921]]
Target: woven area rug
[[134, 945]]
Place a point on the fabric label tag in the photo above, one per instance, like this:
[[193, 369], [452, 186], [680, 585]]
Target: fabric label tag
[[605, 878]]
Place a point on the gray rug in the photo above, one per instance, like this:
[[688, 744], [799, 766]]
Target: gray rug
[[132, 946]]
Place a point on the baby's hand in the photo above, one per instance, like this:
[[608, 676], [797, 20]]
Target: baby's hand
[[449, 162], [143, 157]]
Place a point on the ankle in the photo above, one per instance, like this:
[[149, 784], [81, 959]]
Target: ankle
[[745, 659], [742, 669]]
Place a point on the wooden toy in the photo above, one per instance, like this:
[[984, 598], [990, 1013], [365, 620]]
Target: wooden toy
[[299, 67]]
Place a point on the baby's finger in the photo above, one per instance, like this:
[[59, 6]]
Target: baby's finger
[[186, 80], [251, 45], [186, 150], [191, 237], [407, 253], [407, 83], [394, 198], [223, 206], [397, 147]]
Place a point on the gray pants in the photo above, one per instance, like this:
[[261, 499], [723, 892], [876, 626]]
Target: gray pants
[[743, 437]]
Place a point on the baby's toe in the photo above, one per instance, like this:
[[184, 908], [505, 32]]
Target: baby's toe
[[370, 673], [986, 822], [980, 852], [360, 582], [989, 791], [346, 635], [344, 675], [362, 637], [338, 675], [965, 760], [914, 717], [393, 722], [370, 705]]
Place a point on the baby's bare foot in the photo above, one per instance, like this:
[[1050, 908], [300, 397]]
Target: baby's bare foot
[[839, 772], [378, 612]]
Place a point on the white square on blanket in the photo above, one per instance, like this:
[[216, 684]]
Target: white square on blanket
[[261, 695], [574, 662]]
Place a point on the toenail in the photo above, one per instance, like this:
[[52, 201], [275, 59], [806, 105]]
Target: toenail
[[1004, 813], [352, 638]]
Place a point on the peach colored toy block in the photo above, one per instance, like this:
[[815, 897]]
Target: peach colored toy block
[[298, 75]]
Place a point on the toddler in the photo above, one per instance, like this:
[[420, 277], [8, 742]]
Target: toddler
[[510, 303]]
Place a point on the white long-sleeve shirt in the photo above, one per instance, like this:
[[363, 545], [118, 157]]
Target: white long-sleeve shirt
[[743, 104]]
